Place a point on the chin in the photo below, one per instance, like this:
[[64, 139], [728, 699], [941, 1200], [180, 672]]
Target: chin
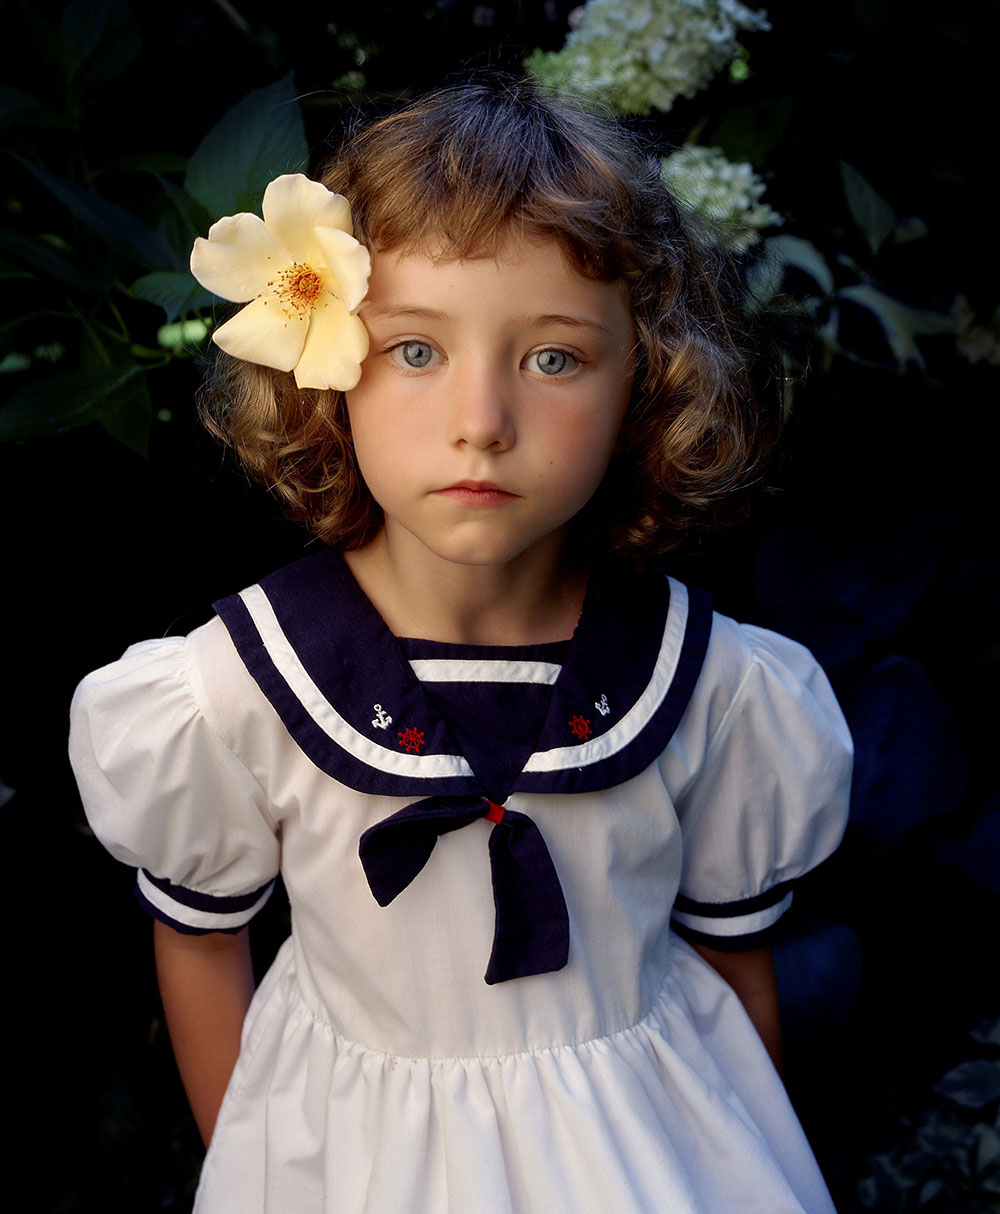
[[476, 546], [480, 551], [481, 555]]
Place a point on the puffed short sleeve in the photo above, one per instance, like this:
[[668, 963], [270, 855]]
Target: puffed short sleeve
[[767, 798], [166, 794]]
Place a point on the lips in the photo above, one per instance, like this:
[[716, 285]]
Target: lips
[[477, 493]]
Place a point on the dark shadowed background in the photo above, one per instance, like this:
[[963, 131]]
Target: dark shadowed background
[[873, 126]]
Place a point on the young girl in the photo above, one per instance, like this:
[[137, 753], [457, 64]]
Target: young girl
[[528, 796]]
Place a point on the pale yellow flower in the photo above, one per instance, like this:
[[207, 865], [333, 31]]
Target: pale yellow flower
[[304, 276]]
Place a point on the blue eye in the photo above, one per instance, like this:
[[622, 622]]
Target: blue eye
[[416, 353], [552, 362]]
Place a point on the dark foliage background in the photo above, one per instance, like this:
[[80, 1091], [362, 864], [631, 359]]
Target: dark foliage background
[[878, 550]]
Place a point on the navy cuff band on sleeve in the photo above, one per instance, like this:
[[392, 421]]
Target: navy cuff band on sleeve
[[732, 926], [193, 912]]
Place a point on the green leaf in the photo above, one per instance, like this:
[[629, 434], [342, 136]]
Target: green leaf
[[778, 253], [127, 415], [884, 1189], [128, 235], [932, 1190], [61, 402], [986, 1154], [102, 36], [973, 1085], [182, 219], [83, 23], [151, 162], [909, 229], [749, 132], [901, 324], [871, 212], [42, 260], [175, 293], [126, 411], [260, 138], [942, 1139]]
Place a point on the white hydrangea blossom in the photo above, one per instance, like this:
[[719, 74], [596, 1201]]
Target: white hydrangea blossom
[[728, 195], [643, 54]]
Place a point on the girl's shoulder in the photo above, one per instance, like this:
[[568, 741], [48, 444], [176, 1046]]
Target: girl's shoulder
[[163, 747], [171, 679], [760, 775], [739, 655], [762, 697]]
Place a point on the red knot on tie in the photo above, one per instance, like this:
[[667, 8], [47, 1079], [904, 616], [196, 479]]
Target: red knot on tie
[[495, 812]]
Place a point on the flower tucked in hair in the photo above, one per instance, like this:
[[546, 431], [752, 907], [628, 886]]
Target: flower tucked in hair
[[304, 276]]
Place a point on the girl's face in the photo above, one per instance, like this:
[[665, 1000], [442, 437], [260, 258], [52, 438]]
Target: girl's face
[[491, 400]]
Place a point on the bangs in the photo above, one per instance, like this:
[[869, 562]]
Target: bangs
[[460, 174]]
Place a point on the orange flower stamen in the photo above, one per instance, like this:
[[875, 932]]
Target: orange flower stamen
[[298, 290]]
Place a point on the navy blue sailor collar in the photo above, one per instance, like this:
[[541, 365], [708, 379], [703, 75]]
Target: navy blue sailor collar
[[342, 686]]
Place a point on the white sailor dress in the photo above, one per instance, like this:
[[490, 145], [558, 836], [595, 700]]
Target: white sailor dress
[[486, 1004]]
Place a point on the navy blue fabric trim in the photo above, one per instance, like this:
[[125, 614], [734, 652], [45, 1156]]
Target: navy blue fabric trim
[[531, 925], [318, 745], [727, 944], [495, 726], [350, 654], [553, 652], [613, 652], [185, 928], [733, 910], [220, 904], [355, 661], [653, 738]]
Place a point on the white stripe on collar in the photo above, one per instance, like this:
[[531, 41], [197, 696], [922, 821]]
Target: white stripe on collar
[[483, 670], [638, 716], [324, 714]]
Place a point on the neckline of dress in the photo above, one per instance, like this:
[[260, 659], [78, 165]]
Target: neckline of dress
[[544, 651], [345, 689]]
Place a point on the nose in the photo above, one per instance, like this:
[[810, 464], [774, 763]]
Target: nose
[[481, 413]]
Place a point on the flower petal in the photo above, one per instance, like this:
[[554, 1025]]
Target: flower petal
[[347, 261], [335, 348], [262, 333], [238, 257], [294, 205]]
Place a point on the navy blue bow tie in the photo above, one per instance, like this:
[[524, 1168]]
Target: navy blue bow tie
[[531, 935]]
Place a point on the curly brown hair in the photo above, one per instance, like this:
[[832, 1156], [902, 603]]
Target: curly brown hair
[[459, 171]]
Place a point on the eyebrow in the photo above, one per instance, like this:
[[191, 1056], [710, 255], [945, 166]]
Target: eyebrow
[[395, 311], [398, 311], [574, 322]]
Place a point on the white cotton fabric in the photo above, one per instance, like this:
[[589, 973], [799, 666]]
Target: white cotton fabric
[[379, 1072]]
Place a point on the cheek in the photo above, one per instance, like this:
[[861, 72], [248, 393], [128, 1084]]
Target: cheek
[[383, 453], [596, 439], [362, 437]]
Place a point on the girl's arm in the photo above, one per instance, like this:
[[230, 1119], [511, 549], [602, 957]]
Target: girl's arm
[[206, 983], [751, 975]]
